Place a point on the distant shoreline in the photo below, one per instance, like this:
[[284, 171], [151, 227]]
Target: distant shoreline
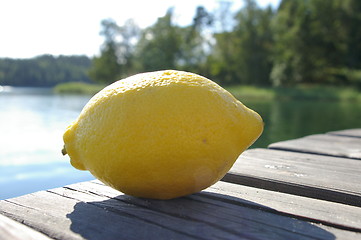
[[78, 88], [306, 92]]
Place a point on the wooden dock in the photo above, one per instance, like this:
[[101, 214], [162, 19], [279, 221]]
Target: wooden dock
[[307, 188]]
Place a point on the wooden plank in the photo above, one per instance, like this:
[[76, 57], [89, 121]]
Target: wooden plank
[[12, 230], [314, 210], [316, 176], [62, 217], [328, 213], [100, 212], [218, 195], [324, 144], [348, 132]]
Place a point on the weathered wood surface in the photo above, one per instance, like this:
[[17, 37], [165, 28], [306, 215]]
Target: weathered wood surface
[[347, 133], [339, 215], [12, 230], [325, 212], [323, 177], [93, 211], [324, 144], [281, 193]]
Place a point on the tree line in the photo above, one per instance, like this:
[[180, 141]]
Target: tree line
[[300, 42], [310, 42], [44, 70]]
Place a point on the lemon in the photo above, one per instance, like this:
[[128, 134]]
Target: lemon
[[161, 134]]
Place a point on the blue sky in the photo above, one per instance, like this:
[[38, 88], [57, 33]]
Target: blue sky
[[31, 28]]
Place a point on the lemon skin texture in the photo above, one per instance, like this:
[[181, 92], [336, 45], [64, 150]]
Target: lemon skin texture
[[161, 134]]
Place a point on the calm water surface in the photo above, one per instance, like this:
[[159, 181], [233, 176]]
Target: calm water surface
[[32, 122], [290, 119]]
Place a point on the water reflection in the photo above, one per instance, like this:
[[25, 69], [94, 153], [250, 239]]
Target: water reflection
[[32, 122], [290, 119]]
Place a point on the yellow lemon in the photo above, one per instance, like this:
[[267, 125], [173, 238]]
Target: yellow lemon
[[161, 134]]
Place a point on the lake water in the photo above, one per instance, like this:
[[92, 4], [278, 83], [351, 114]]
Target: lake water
[[32, 122]]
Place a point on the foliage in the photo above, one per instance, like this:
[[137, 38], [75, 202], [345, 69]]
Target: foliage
[[117, 53], [106, 68], [244, 55], [78, 88], [301, 42], [317, 41], [302, 92], [159, 45], [45, 70], [195, 43]]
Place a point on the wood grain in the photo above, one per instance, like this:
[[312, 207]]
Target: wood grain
[[12, 230], [322, 177], [329, 213], [62, 217], [325, 212], [324, 144], [348, 132], [95, 211]]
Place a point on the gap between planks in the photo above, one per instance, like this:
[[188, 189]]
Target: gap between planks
[[347, 133], [320, 177], [179, 218], [323, 144], [312, 210]]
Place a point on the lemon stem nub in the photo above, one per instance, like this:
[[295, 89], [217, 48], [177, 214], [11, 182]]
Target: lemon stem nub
[[63, 151]]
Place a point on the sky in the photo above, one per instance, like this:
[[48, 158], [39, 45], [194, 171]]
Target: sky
[[29, 28]]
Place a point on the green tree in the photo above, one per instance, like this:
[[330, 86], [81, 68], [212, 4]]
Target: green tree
[[345, 64], [116, 59], [106, 68], [195, 45], [255, 40], [317, 42], [222, 59], [286, 30], [44, 70], [243, 54], [160, 45], [129, 35]]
